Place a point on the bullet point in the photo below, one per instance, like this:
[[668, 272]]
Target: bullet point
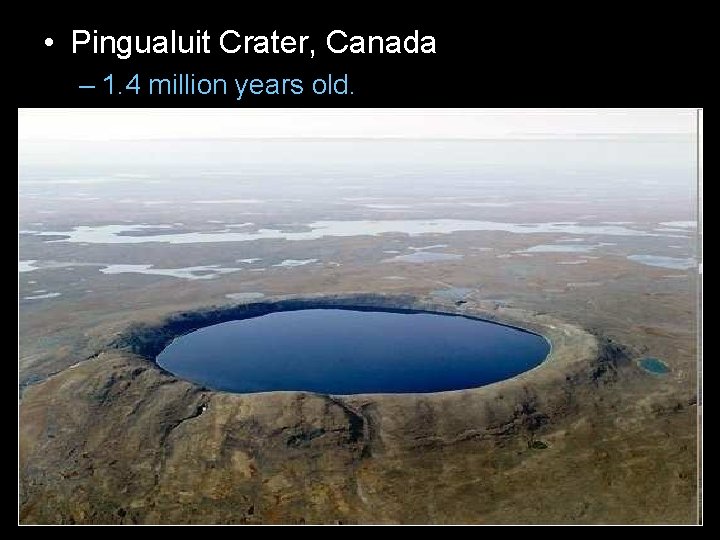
[[49, 42]]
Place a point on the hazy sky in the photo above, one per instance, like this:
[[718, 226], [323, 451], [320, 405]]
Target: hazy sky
[[134, 124]]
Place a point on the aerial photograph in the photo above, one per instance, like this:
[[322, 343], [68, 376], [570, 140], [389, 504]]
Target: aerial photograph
[[359, 316]]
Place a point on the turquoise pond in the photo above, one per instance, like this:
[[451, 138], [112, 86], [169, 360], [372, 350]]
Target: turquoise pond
[[653, 365]]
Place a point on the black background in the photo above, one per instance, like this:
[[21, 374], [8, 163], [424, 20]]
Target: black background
[[511, 59]]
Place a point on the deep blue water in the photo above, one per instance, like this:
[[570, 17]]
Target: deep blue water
[[342, 351]]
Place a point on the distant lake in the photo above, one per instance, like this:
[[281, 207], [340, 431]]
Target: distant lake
[[345, 351], [674, 263], [425, 257]]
